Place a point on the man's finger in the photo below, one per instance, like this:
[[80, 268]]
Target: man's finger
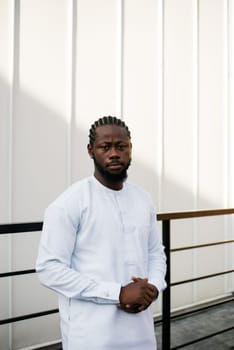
[[136, 279]]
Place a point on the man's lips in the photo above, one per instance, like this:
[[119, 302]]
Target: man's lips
[[115, 165]]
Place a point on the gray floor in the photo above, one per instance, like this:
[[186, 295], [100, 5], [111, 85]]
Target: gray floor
[[200, 325]]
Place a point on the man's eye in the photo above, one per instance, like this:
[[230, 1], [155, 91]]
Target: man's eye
[[122, 147], [105, 147]]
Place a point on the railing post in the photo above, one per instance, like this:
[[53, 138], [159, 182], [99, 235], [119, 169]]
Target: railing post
[[166, 325]]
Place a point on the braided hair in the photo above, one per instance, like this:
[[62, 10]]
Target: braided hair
[[109, 120]]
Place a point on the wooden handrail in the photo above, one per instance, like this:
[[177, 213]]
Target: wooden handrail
[[193, 214]]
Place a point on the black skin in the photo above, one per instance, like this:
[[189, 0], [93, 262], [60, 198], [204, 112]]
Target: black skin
[[111, 146], [137, 296], [111, 152]]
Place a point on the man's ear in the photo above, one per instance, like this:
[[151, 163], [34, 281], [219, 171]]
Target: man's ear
[[90, 150]]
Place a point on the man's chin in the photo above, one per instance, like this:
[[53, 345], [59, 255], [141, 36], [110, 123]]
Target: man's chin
[[115, 176], [112, 175]]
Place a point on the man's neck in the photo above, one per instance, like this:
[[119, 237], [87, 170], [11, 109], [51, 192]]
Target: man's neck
[[113, 185]]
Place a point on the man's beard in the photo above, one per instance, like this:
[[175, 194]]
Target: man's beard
[[110, 177]]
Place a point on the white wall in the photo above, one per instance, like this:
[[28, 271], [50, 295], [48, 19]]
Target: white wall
[[166, 68]]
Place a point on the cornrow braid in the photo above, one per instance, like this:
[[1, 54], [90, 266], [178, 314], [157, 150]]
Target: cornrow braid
[[109, 120]]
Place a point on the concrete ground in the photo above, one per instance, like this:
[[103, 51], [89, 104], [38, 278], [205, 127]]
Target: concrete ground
[[200, 325]]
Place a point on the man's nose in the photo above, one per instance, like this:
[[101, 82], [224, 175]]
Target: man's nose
[[114, 153]]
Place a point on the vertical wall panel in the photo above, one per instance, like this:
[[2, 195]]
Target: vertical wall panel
[[179, 104], [231, 102], [6, 50], [211, 167], [140, 88], [179, 172], [95, 68], [230, 186], [39, 136], [41, 107], [211, 123], [6, 32], [6, 29]]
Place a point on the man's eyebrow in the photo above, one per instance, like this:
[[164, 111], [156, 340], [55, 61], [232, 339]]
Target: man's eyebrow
[[118, 141]]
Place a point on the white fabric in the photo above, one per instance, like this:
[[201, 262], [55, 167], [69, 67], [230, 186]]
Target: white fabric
[[94, 240]]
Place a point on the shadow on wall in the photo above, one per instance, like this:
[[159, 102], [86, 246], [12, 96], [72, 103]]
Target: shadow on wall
[[48, 155], [41, 169]]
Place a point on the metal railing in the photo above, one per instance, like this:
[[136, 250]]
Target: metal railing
[[166, 234], [22, 228], [166, 310]]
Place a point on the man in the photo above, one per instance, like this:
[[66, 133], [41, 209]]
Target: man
[[101, 253]]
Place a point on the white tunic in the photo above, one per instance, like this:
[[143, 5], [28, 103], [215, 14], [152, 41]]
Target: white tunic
[[94, 240]]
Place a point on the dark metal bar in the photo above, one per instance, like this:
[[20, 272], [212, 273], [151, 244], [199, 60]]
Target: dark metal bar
[[200, 246], [203, 338], [21, 227], [26, 317], [193, 214], [16, 273], [166, 326], [196, 309], [201, 278]]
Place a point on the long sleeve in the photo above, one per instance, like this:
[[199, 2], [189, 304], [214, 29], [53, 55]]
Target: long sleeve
[[156, 258], [54, 262], [93, 241]]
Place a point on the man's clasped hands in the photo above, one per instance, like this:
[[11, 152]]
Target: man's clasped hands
[[137, 296]]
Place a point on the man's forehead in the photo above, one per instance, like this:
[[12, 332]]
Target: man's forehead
[[107, 131]]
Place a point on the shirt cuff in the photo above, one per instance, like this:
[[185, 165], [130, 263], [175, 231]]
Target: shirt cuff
[[103, 293]]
